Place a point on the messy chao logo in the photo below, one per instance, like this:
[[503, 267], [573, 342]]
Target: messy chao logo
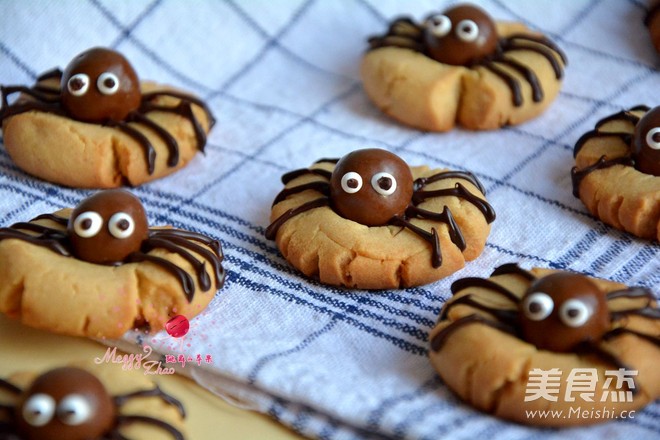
[[134, 361]]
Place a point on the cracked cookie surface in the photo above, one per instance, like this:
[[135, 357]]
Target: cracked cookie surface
[[485, 347], [336, 250], [45, 286], [614, 182], [61, 150], [419, 91]]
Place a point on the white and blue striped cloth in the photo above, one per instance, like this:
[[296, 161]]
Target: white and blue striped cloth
[[282, 79]]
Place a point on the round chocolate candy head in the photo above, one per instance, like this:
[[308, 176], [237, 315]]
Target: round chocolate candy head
[[65, 403], [100, 85], [460, 35], [107, 227], [646, 143], [562, 310], [371, 186]]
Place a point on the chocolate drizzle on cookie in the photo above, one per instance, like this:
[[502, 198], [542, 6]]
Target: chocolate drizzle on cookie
[[562, 312], [375, 188], [466, 35], [99, 86], [577, 176], [111, 228], [642, 142], [652, 21], [72, 403]]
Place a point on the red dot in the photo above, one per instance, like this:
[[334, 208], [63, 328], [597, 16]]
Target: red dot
[[178, 326]]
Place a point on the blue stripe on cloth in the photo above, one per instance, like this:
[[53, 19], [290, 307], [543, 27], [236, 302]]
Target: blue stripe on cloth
[[129, 29], [558, 37], [375, 416], [166, 66], [17, 61], [578, 18], [274, 140], [273, 42], [261, 363]]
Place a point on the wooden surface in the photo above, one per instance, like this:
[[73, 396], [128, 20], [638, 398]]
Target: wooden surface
[[23, 348]]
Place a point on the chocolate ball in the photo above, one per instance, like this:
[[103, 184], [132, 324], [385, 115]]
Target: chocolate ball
[[371, 186], [460, 35], [107, 227], [646, 143], [99, 85], [562, 310], [65, 403]]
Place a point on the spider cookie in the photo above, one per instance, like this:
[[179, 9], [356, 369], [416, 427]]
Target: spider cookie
[[459, 66], [522, 341], [95, 402], [370, 221], [95, 125], [617, 171], [99, 270]]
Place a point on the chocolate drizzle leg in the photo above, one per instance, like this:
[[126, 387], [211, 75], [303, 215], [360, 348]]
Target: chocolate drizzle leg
[[512, 82], [149, 151], [288, 177], [528, 74], [508, 316], [513, 268], [577, 176], [622, 331], [177, 241], [154, 392], [165, 136], [322, 187], [542, 46], [271, 231], [446, 217], [182, 276], [200, 267], [482, 283], [9, 386], [430, 237], [440, 339], [641, 155], [458, 191], [213, 257], [123, 420], [625, 137], [51, 239]]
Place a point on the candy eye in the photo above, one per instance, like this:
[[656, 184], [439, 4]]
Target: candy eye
[[78, 84], [121, 225], [653, 138], [88, 224], [39, 409], [74, 410], [351, 182], [108, 83], [439, 25], [538, 306], [467, 30], [384, 183], [574, 313]]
